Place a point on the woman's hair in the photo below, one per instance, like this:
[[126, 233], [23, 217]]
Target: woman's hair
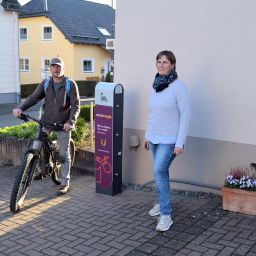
[[169, 55]]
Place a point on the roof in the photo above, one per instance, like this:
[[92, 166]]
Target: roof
[[78, 20], [11, 5]]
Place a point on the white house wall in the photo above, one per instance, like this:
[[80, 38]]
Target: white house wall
[[9, 61], [214, 43]]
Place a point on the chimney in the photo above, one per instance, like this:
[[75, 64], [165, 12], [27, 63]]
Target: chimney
[[45, 5]]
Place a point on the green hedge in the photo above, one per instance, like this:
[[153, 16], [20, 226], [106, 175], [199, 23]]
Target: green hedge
[[86, 88], [28, 129], [85, 112], [27, 89]]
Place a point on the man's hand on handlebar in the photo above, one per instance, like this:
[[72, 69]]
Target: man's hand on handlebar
[[68, 127], [16, 112]]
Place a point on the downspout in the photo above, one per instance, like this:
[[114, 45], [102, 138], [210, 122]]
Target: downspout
[[17, 56]]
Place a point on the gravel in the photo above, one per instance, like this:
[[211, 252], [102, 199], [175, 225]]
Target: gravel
[[183, 193]]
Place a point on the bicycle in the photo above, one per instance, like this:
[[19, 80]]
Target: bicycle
[[39, 150], [103, 168]]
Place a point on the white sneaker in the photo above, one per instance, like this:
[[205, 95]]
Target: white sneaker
[[155, 210], [164, 223]]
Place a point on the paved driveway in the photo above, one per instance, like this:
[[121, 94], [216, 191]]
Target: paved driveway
[[85, 223]]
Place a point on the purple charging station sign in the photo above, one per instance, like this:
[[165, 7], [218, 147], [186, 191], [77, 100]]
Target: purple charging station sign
[[108, 137], [103, 145]]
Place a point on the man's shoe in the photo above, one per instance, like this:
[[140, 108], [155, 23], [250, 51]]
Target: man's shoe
[[155, 210], [63, 190], [164, 223]]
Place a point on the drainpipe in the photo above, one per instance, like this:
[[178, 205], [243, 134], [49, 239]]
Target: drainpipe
[[17, 56]]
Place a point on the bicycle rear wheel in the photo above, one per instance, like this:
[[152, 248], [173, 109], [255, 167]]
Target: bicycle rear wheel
[[22, 181], [56, 175]]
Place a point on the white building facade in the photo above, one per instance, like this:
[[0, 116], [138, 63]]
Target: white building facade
[[9, 52], [214, 43]]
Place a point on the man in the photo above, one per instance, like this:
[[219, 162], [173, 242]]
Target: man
[[60, 106]]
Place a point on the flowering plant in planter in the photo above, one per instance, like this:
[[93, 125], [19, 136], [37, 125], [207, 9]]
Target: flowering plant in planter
[[241, 178], [239, 191]]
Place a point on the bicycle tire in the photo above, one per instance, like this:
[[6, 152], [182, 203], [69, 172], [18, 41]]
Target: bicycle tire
[[23, 180], [55, 176]]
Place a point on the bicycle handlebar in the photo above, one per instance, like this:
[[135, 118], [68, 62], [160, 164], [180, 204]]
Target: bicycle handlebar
[[26, 118]]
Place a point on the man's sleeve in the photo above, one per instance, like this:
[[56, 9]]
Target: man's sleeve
[[74, 103]]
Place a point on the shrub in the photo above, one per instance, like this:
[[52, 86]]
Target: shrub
[[28, 130], [78, 135], [22, 131], [108, 77], [85, 112], [27, 89], [86, 88]]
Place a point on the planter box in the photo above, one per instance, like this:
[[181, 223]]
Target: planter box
[[12, 150], [238, 200]]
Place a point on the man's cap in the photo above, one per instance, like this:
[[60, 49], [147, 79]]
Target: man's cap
[[57, 61]]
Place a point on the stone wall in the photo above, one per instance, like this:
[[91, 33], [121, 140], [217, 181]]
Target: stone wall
[[12, 150]]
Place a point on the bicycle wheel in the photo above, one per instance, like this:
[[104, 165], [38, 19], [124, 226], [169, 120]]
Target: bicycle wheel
[[22, 181], [56, 174]]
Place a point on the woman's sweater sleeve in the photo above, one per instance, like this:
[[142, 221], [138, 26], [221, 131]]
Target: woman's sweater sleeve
[[183, 103]]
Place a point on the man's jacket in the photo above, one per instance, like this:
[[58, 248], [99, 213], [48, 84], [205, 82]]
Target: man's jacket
[[59, 107]]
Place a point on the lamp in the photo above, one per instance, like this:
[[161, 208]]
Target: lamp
[[134, 141]]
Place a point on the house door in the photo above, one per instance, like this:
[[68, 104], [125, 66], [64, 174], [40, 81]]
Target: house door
[[107, 66], [45, 70]]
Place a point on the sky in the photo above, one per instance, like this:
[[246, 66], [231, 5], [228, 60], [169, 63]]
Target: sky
[[108, 2]]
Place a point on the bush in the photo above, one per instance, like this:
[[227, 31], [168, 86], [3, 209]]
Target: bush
[[28, 130], [78, 135], [22, 131], [85, 112], [27, 89], [108, 77], [86, 88]]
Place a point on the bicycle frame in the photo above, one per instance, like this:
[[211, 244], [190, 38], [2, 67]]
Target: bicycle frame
[[41, 143]]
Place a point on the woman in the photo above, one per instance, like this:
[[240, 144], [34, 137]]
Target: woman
[[166, 131]]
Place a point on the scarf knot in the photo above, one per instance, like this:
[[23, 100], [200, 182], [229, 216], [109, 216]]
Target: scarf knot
[[161, 82]]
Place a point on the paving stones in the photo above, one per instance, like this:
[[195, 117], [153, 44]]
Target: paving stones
[[85, 223]]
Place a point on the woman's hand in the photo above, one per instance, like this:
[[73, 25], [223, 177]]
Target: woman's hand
[[146, 144], [178, 151]]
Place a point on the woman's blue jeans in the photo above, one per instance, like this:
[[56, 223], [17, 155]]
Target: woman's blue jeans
[[162, 158]]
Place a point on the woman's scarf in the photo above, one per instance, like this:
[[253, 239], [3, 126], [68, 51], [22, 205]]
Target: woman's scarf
[[162, 82]]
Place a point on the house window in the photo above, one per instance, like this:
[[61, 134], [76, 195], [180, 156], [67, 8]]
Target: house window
[[88, 65], [45, 71], [47, 33], [104, 31], [24, 64], [23, 34]]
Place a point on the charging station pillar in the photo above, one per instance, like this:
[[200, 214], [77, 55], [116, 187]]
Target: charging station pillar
[[108, 137]]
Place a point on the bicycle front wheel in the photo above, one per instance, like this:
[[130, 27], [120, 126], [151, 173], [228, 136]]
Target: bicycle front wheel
[[23, 180]]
